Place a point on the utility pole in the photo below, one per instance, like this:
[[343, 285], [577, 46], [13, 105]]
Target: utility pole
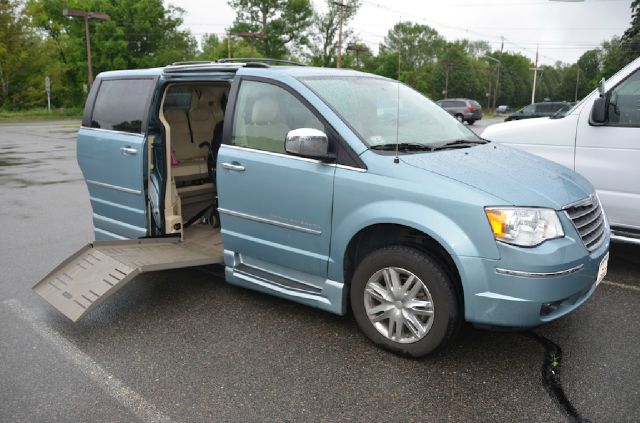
[[489, 91], [87, 16], [495, 94], [357, 48], [577, 83], [341, 5], [229, 44], [535, 77], [447, 65], [252, 36]]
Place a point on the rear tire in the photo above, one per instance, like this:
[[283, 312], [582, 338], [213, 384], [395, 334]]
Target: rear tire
[[404, 301], [471, 121]]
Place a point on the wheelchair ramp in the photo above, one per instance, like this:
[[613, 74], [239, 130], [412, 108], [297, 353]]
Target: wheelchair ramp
[[98, 270]]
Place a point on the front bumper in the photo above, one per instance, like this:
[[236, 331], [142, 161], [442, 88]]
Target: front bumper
[[516, 290]]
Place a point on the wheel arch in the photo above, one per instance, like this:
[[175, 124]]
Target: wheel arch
[[380, 235]]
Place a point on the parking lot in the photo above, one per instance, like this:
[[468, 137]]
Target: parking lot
[[182, 345]]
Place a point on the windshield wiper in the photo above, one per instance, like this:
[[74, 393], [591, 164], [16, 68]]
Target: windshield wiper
[[459, 144], [402, 146]]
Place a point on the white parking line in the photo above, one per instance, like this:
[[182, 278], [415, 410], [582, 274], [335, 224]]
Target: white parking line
[[113, 386], [622, 285]]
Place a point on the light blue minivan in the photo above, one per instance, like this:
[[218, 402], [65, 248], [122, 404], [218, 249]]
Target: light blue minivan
[[331, 188]]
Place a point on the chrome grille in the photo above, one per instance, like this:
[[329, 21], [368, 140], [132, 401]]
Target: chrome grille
[[588, 219]]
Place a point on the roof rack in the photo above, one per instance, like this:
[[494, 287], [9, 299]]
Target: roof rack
[[202, 67], [191, 62], [260, 60]]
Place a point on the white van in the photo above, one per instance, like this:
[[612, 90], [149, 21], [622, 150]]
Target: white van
[[599, 138]]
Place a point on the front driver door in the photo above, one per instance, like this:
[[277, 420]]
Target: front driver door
[[113, 157], [275, 208]]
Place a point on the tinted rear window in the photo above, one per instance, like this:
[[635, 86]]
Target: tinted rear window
[[121, 104]]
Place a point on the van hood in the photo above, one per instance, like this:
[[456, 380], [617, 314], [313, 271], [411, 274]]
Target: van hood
[[515, 176], [544, 131]]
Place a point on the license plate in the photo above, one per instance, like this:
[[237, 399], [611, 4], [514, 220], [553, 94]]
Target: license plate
[[602, 270]]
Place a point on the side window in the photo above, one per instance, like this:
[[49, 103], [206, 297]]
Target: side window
[[265, 113], [527, 110], [624, 102], [121, 104]]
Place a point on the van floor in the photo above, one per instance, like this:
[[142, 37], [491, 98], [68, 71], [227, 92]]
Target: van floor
[[204, 238]]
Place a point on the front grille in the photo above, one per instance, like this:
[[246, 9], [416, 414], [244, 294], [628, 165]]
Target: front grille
[[588, 219]]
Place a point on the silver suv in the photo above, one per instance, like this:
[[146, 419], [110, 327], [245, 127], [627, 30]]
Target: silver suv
[[463, 109]]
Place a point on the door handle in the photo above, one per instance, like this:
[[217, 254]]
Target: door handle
[[233, 166], [128, 151]]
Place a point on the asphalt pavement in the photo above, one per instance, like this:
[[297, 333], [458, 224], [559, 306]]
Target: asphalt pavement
[[183, 345]]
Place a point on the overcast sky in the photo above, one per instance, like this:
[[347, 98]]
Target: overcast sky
[[563, 30]]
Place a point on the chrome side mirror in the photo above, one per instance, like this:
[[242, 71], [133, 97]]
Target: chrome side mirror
[[308, 142]]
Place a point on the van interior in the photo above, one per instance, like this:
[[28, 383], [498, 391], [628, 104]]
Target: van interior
[[192, 115]]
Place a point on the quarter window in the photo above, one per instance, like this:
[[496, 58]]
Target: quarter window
[[121, 104], [265, 113], [624, 103]]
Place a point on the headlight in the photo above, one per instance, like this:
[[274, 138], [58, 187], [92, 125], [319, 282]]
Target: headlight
[[522, 226]]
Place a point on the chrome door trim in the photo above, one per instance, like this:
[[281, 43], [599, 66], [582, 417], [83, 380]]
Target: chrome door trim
[[114, 187], [271, 153], [523, 274], [289, 156], [345, 167], [269, 221]]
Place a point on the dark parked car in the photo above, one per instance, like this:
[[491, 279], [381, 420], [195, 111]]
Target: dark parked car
[[463, 109], [536, 110]]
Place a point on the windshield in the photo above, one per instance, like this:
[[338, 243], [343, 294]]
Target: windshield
[[385, 112]]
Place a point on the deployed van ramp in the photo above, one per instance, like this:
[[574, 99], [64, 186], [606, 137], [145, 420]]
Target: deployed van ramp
[[88, 277]]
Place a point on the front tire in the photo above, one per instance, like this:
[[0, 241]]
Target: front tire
[[460, 118], [404, 301]]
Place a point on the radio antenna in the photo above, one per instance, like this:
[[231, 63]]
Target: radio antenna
[[397, 158]]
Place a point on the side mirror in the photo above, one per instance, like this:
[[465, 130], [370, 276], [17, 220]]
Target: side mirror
[[599, 111], [600, 106], [308, 142]]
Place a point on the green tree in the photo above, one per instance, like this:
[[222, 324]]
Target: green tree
[[418, 44], [324, 35], [631, 37], [140, 33], [25, 59], [214, 48], [281, 22]]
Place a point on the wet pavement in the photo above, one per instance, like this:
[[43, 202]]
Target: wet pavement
[[182, 345]]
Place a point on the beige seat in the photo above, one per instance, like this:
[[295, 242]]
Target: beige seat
[[204, 115], [266, 131], [192, 163]]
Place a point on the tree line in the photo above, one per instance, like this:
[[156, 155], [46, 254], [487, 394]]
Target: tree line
[[36, 40]]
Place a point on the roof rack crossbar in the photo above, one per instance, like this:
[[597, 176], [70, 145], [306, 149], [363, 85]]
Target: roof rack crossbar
[[260, 59]]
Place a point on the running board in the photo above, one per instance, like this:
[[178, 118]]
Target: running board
[[98, 270]]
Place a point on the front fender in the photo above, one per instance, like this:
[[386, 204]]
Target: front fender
[[455, 239]]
